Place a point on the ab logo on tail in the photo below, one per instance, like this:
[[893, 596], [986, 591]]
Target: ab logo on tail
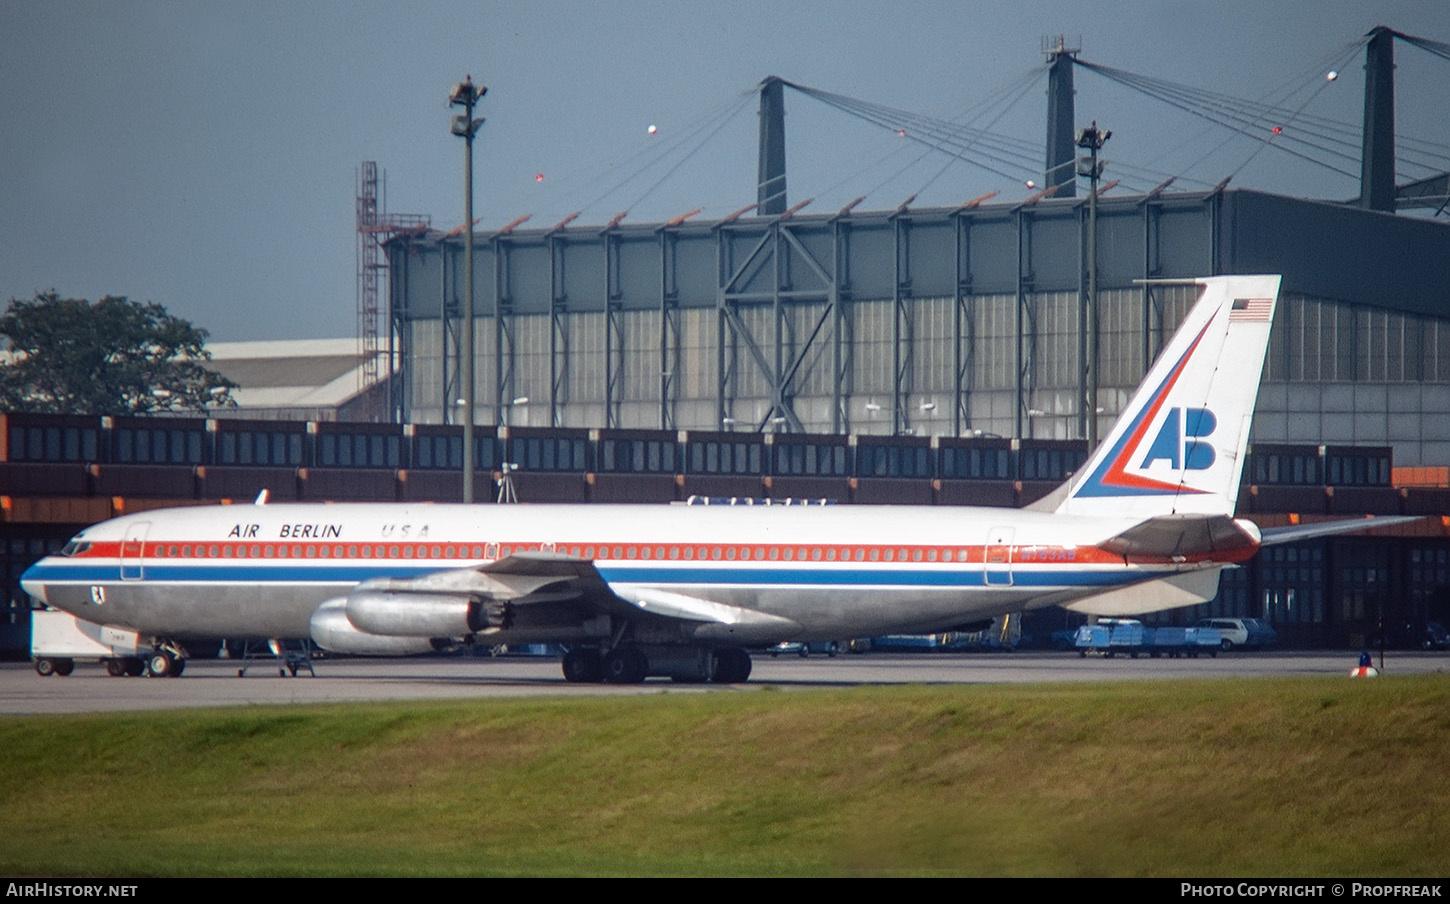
[[1180, 444], [1179, 440]]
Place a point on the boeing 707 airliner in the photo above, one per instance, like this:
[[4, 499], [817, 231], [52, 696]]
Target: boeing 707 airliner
[[636, 591]]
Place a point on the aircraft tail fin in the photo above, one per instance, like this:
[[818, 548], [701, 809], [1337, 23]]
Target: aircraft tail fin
[[1179, 446]]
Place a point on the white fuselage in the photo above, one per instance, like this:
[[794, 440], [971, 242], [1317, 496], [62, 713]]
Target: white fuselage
[[831, 571]]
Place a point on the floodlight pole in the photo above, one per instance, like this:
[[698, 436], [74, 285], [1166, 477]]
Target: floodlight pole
[[1092, 139], [465, 94]]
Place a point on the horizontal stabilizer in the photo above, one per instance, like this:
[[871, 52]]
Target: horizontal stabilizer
[[1293, 533], [1187, 589], [1186, 538]]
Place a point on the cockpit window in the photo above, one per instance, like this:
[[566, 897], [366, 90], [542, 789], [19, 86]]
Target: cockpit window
[[75, 548]]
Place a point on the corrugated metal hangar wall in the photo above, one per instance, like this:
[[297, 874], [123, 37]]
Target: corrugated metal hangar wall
[[956, 322]]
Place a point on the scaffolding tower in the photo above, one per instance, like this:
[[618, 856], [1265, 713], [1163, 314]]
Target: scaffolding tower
[[375, 226]]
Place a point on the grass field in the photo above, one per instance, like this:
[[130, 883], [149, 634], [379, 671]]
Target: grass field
[[1203, 778]]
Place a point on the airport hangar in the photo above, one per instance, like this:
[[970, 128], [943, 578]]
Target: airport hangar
[[951, 333]]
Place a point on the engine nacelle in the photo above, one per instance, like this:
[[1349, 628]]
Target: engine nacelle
[[332, 631], [421, 614]]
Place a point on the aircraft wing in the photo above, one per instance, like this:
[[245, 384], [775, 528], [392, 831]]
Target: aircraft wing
[[545, 593], [713, 621]]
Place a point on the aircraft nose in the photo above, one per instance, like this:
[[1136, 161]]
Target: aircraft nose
[[32, 583]]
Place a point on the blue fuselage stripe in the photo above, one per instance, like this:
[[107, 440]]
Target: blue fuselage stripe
[[743, 576]]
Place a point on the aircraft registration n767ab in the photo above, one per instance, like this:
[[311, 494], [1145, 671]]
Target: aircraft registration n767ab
[[635, 591]]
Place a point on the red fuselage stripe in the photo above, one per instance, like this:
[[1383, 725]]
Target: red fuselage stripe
[[811, 553]]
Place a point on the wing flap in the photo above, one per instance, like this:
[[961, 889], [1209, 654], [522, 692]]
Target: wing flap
[[717, 621]]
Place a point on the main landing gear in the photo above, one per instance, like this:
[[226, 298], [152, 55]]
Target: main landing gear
[[633, 663], [130, 667]]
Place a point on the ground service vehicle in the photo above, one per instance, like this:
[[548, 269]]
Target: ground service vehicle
[[58, 640]]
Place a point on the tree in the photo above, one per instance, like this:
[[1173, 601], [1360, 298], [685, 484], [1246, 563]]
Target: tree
[[116, 356]]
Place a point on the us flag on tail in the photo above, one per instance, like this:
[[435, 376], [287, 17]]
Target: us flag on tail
[[1252, 310]]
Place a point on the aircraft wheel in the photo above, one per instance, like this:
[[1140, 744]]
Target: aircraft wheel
[[64, 667], [732, 666], [625, 665], [45, 667], [116, 668], [583, 665], [135, 667], [178, 668], [161, 664]]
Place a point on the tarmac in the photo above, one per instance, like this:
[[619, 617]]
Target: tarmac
[[212, 683]]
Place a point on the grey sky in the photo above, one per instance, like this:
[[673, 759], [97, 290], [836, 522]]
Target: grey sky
[[202, 154]]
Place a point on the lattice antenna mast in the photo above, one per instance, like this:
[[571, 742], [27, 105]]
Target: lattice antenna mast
[[375, 226]]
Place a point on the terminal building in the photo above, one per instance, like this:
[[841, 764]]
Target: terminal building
[[963, 355]]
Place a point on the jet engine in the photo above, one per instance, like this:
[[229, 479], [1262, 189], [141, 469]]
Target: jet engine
[[381, 611], [332, 631]]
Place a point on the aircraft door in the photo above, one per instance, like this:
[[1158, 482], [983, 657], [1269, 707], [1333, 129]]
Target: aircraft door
[[133, 551], [997, 558]]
